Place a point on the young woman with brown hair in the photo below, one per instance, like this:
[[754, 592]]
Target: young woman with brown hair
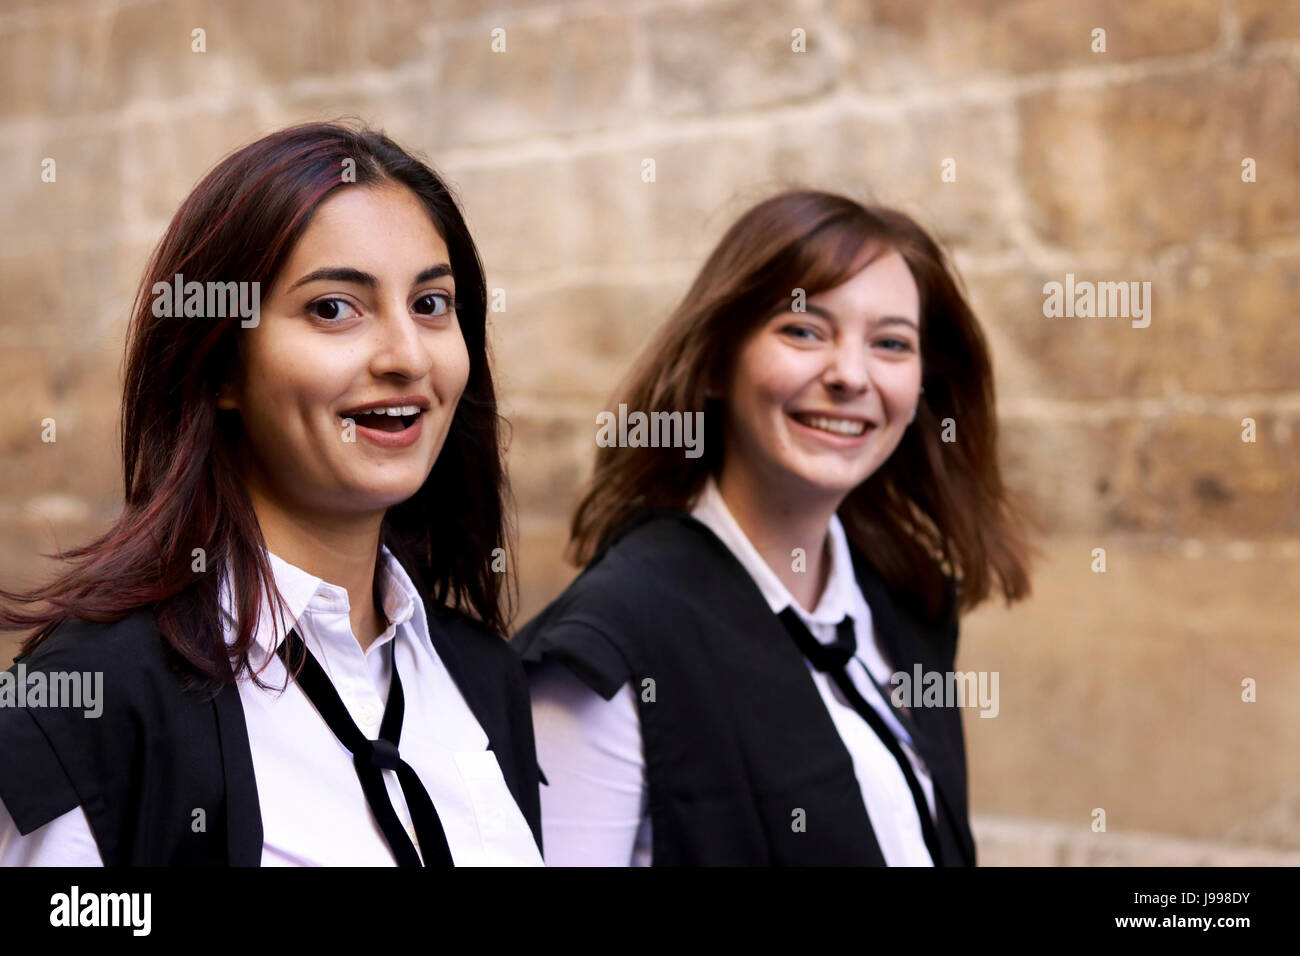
[[297, 616], [713, 688]]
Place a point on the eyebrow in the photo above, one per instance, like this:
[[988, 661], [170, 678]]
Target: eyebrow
[[883, 320], [358, 277]]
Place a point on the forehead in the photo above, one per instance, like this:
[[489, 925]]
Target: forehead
[[884, 285], [375, 228]]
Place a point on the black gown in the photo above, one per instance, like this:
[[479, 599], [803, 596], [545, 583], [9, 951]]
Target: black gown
[[736, 736], [159, 750]]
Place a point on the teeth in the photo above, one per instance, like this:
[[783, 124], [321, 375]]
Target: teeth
[[394, 410], [838, 426]]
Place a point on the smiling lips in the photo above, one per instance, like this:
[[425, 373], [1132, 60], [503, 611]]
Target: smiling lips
[[393, 419], [389, 415], [391, 424], [848, 427]]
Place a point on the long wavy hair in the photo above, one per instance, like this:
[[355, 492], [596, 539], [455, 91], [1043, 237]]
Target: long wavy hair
[[935, 514], [181, 457]]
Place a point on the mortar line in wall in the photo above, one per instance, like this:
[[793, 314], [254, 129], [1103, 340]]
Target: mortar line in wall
[[537, 14], [142, 238], [1106, 410], [840, 102], [656, 130], [48, 14]]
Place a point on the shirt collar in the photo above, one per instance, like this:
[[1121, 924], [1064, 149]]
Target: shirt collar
[[304, 594], [837, 599], [402, 602]]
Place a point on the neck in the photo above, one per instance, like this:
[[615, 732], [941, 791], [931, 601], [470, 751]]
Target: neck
[[779, 522], [339, 549]]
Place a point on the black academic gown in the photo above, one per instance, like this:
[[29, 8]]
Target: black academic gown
[[737, 739], [160, 752]]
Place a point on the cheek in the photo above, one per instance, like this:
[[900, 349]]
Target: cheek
[[461, 376], [450, 366], [264, 386], [774, 391], [285, 380], [774, 379], [449, 387], [900, 394], [757, 392]]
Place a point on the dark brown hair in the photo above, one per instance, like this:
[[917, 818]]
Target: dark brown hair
[[935, 511], [181, 457]]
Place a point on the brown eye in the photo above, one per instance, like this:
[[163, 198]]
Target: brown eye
[[330, 310], [434, 304]]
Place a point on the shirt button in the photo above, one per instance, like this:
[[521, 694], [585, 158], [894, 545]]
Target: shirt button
[[369, 715]]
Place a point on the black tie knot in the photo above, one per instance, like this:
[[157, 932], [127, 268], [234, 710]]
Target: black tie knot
[[825, 657], [380, 753]]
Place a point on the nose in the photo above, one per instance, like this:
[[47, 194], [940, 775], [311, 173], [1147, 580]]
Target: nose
[[398, 349], [846, 369]]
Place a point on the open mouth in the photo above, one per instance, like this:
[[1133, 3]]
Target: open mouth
[[848, 427], [397, 418]]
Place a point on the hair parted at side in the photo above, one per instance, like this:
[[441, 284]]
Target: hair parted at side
[[935, 511], [181, 455]]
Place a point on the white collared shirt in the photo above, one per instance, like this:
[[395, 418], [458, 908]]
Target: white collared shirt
[[313, 810], [594, 811]]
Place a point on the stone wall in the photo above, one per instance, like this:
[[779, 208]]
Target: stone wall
[[1123, 688]]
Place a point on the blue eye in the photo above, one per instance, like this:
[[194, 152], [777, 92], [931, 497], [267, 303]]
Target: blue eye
[[331, 309], [434, 304]]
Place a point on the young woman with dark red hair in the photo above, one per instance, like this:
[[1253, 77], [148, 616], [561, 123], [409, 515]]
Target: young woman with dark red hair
[[715, 687], [297, 616]]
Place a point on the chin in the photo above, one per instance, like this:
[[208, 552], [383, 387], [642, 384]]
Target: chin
[[821, 481], [373, 496]]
